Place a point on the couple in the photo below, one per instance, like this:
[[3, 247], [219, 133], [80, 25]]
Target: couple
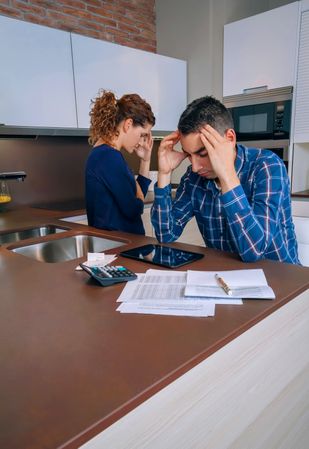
[[239, 196]]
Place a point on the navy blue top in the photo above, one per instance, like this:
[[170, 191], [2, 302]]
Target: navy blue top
[[111, 201]]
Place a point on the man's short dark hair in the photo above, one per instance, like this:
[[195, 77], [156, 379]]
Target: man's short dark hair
[[205, 111]]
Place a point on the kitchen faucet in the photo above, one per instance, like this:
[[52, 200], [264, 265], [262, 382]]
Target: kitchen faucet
[[18, 175]]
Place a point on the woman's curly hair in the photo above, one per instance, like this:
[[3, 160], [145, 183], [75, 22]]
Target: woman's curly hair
[[107, 112]]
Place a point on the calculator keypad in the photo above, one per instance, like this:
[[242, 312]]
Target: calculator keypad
[[109, 274]]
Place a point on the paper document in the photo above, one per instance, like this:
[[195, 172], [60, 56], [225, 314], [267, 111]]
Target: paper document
[[202, 310], [155, 286], [242, 283], [98, 260], [162, 292], [163, 285], [154, 276]]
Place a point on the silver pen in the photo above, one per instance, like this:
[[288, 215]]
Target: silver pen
[[223, 285]]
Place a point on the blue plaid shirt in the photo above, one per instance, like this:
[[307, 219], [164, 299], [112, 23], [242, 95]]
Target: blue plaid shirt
[[253, 220]]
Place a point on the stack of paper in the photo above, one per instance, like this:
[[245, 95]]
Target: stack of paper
[[191, 293], [242, 284], [162, 292]]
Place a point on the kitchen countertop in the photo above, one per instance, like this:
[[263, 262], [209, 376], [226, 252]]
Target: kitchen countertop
[[302, 194], [71, 365]]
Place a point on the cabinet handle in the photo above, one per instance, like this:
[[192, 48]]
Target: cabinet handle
[[252, 90]]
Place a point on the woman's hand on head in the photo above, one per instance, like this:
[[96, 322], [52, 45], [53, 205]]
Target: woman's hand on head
[[168, 157], [144, 149]]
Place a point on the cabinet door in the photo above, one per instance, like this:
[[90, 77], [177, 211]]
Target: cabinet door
[[36, 77], [301, 130], [158, 79], [191, 234], [261, 50], [147, 221], [302, 234]]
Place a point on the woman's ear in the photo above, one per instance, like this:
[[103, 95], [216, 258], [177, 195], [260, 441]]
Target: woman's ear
[[231, 135], [127, 124]]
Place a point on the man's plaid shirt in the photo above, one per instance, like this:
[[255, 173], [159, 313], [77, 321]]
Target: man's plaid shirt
[[253, 220]]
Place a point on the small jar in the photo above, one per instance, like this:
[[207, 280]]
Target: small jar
[[5, 196]]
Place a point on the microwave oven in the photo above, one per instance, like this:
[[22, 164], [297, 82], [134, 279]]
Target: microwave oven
[[280, 147], [262, 115]]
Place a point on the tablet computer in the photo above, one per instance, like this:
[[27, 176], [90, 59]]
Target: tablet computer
[[164, 256]]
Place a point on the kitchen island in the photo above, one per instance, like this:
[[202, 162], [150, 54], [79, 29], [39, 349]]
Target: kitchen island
[[72, 367]]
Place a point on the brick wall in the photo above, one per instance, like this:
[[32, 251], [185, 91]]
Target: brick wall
[[125, 22]]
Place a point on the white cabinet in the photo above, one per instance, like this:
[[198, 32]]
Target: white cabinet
[[300, 173], [300, 207], [190, 235], [301, 129], [300, 167], [36, 79], [302, 234], [160, 80], [147, 221], [44, 85], [261, 50]]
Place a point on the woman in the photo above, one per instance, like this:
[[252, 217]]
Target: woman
[[114, 200]]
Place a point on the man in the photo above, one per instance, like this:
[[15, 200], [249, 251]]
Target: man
[[239, 196]]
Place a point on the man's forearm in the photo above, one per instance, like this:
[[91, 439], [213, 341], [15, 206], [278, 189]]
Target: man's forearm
[[249, 234], [160, 213], [229, 183], [164, 179]]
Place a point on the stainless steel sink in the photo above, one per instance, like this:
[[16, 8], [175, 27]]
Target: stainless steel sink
[[67, 248], [23, 234]]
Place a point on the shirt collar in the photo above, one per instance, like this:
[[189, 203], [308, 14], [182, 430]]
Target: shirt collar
[[240, 158]]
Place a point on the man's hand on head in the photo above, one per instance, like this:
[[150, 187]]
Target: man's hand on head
[[222, 154], [168, 158]]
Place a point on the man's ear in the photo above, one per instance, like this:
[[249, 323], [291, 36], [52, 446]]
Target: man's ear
[[127, 124], [231, 135]]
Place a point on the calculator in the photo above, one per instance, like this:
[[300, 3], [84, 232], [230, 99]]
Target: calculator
[[110, 274]]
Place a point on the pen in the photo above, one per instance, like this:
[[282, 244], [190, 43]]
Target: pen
[[223, 285]]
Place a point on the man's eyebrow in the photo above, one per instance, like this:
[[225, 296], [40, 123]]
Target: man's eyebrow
[[195, 152]]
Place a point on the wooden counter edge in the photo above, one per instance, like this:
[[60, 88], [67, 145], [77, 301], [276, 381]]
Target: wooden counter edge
[[256, 408]]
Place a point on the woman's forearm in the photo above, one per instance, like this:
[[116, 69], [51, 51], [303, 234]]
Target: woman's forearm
[[144, 168]]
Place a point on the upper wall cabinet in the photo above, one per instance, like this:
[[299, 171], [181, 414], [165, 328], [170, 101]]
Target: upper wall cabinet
[[36, 80], [301, 130], [44, 86], [160, 80], [261, 50]]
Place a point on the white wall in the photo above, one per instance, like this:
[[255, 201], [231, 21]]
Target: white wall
[[193, 30]]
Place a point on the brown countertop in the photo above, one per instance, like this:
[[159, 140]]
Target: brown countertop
[[302, 194], [71, 365]]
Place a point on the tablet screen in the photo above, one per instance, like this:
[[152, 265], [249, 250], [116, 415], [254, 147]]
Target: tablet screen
[[162, 255]]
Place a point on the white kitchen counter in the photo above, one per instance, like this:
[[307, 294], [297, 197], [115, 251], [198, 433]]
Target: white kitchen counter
[[253, 393]]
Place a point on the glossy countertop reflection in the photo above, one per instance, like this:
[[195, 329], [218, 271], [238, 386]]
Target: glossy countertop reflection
[[71, 365]]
